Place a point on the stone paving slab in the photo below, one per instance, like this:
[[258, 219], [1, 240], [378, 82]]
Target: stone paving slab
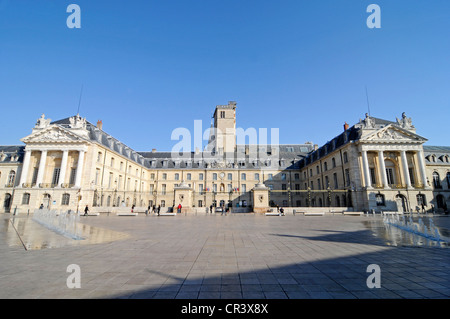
[[212, 256]]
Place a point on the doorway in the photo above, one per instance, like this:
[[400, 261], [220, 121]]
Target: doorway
[[402, 203]]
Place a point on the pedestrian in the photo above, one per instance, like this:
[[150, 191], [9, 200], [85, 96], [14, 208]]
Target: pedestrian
[[281, 211], [154, 209], [132, 208], [42, 206], [158, 209], [148, 210], [210, 208], [179, 208], [86, 210]]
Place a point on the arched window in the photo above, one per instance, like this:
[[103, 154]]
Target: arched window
[[436, 180], [11, 178], [177, 176], [26, 199], [448, 180], [380, 199]]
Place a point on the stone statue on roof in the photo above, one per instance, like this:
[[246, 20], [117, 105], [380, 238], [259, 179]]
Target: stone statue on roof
[[42, 122], [405, 122]]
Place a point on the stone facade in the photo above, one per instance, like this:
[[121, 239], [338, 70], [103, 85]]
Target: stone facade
[[374, 164]]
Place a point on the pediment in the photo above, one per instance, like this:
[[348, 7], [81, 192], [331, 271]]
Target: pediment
[[393, 134], [53, 134]]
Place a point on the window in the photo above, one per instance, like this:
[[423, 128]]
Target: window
[[200, 188], [152, 176], [35, 174], [436, 180], [163, 190], [283, 187], [256, 176], [112, 162], [188, 176], [421, 200], [65, 199], [318, 184], [243, 176], [347, 177], [200, 203], [73, 172], [164, 176], [230, 176], [11, 178], [177, 176], [99, 157], [411, 176], [317, 169], [372, 176], [200, 176], [230, 188], [327, 182], [296, 176], [380, 199], [214, 176], [163, 203], [345, 157], [325, 166], [335, 180], [110, 180], [222, 114], [448, 180], [56, 173], [283, 177], [26, 199], [97, 176], [243, 188], [333, 162], [215, 188]]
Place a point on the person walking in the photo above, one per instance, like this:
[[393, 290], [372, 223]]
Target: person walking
[[179, 208], [158, 209], [86, 210]]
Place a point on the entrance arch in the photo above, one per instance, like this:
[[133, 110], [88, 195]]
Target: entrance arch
[[46, 201], [402, 202], [7, 203]]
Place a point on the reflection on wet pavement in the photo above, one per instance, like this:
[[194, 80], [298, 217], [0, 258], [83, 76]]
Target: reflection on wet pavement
[[395, 236], [25, 232]]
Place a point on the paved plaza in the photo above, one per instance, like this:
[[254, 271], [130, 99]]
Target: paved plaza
[[221, 257]]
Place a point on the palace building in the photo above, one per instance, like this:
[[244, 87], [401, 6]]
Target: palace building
[[375, 164]]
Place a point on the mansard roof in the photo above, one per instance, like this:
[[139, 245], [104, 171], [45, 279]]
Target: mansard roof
[[11, 153]]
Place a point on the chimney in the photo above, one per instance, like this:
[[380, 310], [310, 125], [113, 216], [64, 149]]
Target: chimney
[[99, 124], [153, 150], [345, 126]]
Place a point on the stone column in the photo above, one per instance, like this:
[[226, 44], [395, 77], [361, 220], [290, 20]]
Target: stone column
[[405, 169], [366, 169], [62, 174], [422, 171], [41, 170], [25, 168], [382, 169], [79, 169]]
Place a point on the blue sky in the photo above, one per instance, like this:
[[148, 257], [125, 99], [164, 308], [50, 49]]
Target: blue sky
[[148, 67]]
